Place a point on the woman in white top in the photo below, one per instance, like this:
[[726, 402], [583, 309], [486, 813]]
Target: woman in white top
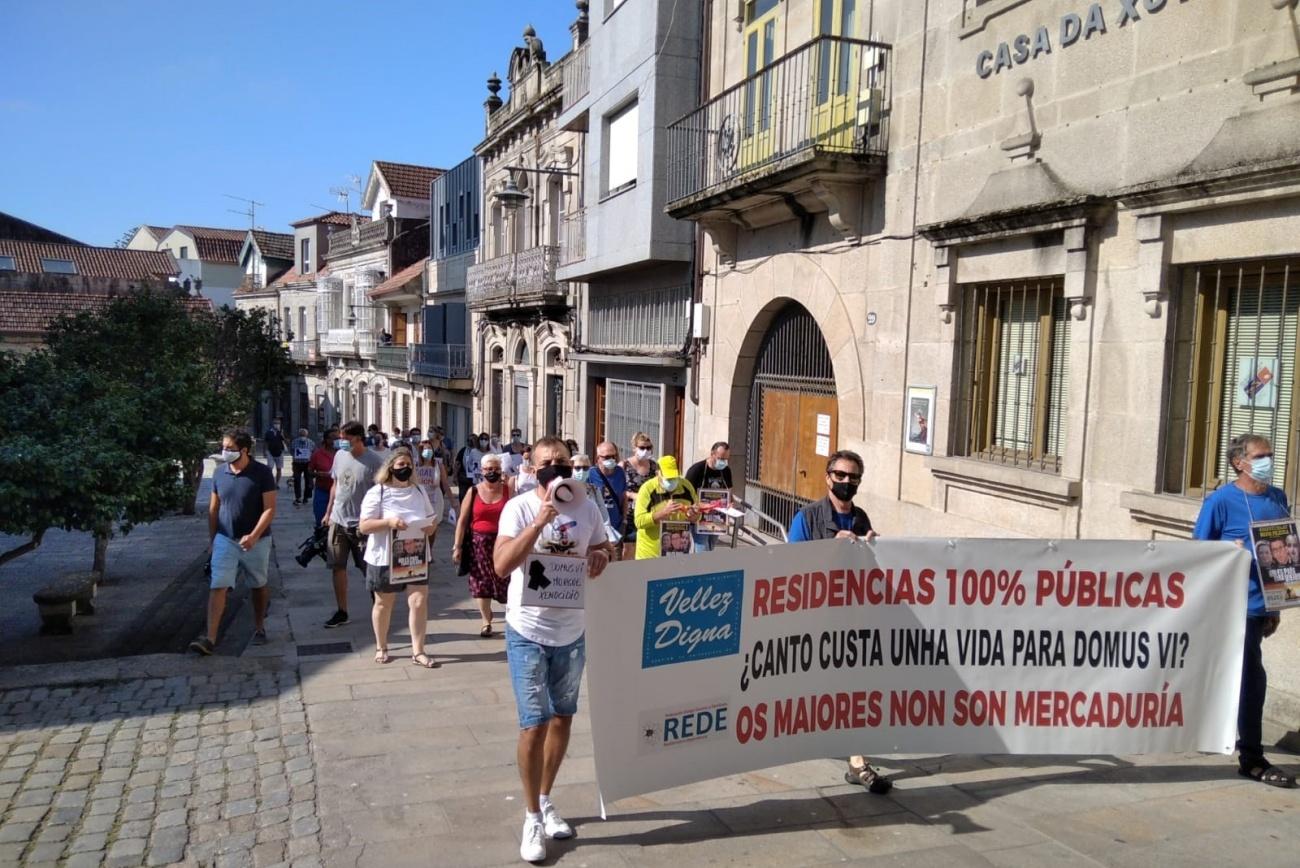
[[433, 477], [394, 503]]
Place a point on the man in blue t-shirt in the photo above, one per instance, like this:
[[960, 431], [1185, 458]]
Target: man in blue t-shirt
[[239, 533], [610, 483], [1227, 514], [836, 517]]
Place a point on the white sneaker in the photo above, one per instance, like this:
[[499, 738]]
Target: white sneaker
[[555, 825], [533, 846]]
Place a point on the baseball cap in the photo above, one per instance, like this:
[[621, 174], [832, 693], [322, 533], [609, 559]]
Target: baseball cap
[[668, 467]]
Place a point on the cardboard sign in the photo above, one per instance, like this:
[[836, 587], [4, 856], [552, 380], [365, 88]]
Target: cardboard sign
[[408, 555], [713, 516], [557, 581], [675, 539], [1276, 547]]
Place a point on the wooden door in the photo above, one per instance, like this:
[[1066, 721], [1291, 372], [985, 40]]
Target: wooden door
[[779, 411], [399, 328], [598, 409], [811, 452], [679, 426]]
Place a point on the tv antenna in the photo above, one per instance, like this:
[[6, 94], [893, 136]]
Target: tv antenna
[[250, 212], [344, 193]]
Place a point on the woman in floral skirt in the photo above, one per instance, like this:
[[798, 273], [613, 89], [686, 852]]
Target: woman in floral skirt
[[476, 536]]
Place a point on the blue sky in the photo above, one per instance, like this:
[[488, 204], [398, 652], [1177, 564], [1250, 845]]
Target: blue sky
[[120, 113]]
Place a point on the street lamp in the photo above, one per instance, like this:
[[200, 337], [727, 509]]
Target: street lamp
[[511, 197]]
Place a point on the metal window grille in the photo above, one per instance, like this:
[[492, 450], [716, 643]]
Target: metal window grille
[[631, 407], [646, 320], [1014, 358], [1231, 371]]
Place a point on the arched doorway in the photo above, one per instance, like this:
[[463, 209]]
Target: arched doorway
[[793, 415]]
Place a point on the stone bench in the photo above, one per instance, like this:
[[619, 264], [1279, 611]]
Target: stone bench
[[69, 595]]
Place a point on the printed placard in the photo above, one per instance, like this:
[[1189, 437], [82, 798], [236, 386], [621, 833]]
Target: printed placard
[[408, 555], [675, 538], [1276, 547], [713, 517], [557, 581]]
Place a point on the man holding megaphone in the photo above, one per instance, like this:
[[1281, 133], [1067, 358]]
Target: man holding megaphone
[[545, 645]]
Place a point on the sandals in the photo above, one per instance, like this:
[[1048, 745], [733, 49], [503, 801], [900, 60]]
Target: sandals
[[424, 661], [381, 656], [485, 631], [866, 776], [1267, 773]]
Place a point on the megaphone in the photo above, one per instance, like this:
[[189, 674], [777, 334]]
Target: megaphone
[[567, 495]]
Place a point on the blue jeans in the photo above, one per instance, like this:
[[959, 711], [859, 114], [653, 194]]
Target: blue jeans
[[319, 500], [1254, 684], [545, 678], [704, 542]]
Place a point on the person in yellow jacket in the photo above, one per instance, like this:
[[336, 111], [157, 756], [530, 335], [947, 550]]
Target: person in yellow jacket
[[667, 497]]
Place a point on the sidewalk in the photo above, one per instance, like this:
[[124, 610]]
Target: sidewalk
[[305, 752]]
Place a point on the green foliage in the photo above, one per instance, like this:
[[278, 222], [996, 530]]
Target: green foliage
[[102, 421]]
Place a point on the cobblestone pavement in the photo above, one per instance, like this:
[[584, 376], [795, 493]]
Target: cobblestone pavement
[[204, 769]]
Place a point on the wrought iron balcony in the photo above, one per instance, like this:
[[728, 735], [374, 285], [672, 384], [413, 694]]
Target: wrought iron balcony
[[516, 280], [305, 352], [441, 361], [817, 114], [393, 358]]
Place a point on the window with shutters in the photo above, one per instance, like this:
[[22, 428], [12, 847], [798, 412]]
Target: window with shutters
[[631, 407], [621, 149], [1014, 367], [1231, 371]]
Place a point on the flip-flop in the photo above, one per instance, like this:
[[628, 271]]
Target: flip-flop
[[427, 663], [382, 657]]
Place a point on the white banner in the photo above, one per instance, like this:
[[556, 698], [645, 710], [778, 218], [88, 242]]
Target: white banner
[[732, 661]]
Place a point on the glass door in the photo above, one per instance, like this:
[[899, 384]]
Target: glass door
[[836, 70], [760, 111]]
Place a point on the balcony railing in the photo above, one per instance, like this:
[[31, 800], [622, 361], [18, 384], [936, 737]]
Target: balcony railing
[[444, 361], [305, 351], [354, 343], [573, 240], [654, 321], [577, 75], [516, 280], [827, 98], [343, 239], [393, 358]]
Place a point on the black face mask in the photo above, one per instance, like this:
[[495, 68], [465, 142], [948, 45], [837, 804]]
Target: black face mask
[[402, 474], [552, 472], [844, 490], [492, 476]]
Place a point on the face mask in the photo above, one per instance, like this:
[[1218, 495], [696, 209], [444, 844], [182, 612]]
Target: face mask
[[643, 453], [426, 453], [492, 476], [609, 463], [580, 474], [844, 490], [1261, 470], [401, 474], [515, 438], [720, 464], [483, 443], [551, 472], [671, 484], [342, 443], [229, 456]]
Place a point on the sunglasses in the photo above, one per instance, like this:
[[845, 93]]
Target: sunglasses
[[843, 476]]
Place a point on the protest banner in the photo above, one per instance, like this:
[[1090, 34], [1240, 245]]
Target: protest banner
[[739, 660]]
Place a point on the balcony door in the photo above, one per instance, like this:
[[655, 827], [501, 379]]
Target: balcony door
[[836, 69], [399, 328], [758, 132]]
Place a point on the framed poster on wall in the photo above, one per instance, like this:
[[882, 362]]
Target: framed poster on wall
[[918, 428]]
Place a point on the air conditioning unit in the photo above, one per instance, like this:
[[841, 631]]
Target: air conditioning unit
[[702, 320]]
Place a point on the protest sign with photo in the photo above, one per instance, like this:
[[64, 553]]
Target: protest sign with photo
[[409, 555], [1277, 553], [675, 538], [764, 656], [713, 518]]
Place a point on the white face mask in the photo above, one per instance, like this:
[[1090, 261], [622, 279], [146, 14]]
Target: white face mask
[[609, 463], [671, 484], [229, 456], [643, 453]]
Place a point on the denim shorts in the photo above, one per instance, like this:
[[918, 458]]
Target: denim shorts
[[545, 678], [228, 557]]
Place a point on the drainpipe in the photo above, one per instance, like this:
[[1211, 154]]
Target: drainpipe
[[697, 263]]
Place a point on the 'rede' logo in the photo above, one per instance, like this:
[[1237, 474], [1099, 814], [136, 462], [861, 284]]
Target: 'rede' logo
[[692, 618]]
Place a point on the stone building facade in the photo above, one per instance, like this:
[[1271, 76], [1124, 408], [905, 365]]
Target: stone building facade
[[1036, 260], [521, 314]]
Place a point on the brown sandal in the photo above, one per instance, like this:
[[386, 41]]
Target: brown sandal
[[424, 661], [381, 656], [866, 776]]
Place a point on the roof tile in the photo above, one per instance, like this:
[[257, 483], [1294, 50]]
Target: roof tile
[[406, 180], [114, 262], [28, 313]]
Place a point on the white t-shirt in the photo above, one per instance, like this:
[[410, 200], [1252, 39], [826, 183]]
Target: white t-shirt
[[410, 504], [547, 625]]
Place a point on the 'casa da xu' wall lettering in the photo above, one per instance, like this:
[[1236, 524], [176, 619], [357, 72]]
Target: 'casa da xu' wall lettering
[[1072, 29]]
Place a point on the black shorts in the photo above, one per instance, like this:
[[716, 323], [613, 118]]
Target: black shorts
[[377, 581]]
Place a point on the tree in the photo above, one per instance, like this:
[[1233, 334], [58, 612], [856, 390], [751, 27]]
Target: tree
[[107, 417]]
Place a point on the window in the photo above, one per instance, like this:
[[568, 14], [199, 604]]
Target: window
[[302, 323], [288, 324], [7, 263], [58, 266], [755, 9], [631, 407], [185, 252], [621, 149], [1014, 366], [611, 5], [305, 247], [1231, 371]]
